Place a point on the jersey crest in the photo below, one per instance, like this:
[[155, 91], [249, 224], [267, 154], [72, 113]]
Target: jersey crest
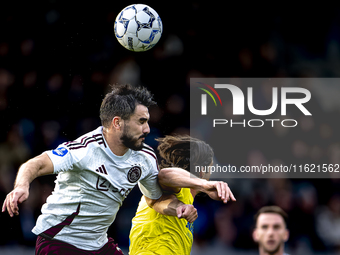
[[134, 174]]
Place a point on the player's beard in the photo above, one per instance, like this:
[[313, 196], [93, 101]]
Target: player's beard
[[131, 142]]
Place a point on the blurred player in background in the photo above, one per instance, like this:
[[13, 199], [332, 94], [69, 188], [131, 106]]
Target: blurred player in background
[[95, 174], [153, 233], [271, 231]]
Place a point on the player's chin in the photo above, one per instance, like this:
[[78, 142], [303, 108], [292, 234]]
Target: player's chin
[[138, 145], [271, 247]]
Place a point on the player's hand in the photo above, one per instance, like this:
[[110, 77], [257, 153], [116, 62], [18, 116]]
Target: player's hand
[[188, 212], [218, 190], [13, 199]]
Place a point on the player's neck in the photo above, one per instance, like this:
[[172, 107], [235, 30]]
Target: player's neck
[[114, 143], [263, 252]]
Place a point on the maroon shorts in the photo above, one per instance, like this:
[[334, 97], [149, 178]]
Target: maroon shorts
[[44, 246]]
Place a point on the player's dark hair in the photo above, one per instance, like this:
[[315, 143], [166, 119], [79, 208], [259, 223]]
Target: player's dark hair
[[272, 209], [122, 102], [184, 152]]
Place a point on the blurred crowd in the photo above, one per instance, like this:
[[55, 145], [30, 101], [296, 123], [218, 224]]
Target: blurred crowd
[[56, 64]]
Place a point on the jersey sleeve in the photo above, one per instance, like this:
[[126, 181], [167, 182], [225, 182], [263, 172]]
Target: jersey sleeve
[[63, 158], [149, 185]]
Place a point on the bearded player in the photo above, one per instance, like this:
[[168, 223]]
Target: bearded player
[[95, 174]]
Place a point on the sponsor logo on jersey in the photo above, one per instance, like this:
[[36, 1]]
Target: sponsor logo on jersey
[[101, 169], [134, 174], [61, 152]]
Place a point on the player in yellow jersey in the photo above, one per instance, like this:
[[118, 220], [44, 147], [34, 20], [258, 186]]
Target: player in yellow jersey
[[156, 234]]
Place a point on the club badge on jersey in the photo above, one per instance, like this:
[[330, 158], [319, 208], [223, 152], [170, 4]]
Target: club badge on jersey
[[134, 174]]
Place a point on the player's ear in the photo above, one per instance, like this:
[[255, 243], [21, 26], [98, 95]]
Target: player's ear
[[117, 123], [255, 235], [204, 175], [201, 174], [286, 235]]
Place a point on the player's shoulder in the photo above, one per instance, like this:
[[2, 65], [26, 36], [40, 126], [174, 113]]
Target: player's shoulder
[[92, 138], [148, 151], [146, 154]]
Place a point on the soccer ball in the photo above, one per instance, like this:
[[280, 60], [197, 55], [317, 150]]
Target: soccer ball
[[138, 27]]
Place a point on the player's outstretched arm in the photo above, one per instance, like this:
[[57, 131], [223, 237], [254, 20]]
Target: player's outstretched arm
[[33, 168], [176, 178], [171, 206]]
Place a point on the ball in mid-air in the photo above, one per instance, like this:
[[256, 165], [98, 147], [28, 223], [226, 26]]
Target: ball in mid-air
[[138, 27]]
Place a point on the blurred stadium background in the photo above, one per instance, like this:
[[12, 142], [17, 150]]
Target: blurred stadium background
[[57, 59]]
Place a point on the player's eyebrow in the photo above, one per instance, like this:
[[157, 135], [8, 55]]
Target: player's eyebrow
[[143, 119]]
